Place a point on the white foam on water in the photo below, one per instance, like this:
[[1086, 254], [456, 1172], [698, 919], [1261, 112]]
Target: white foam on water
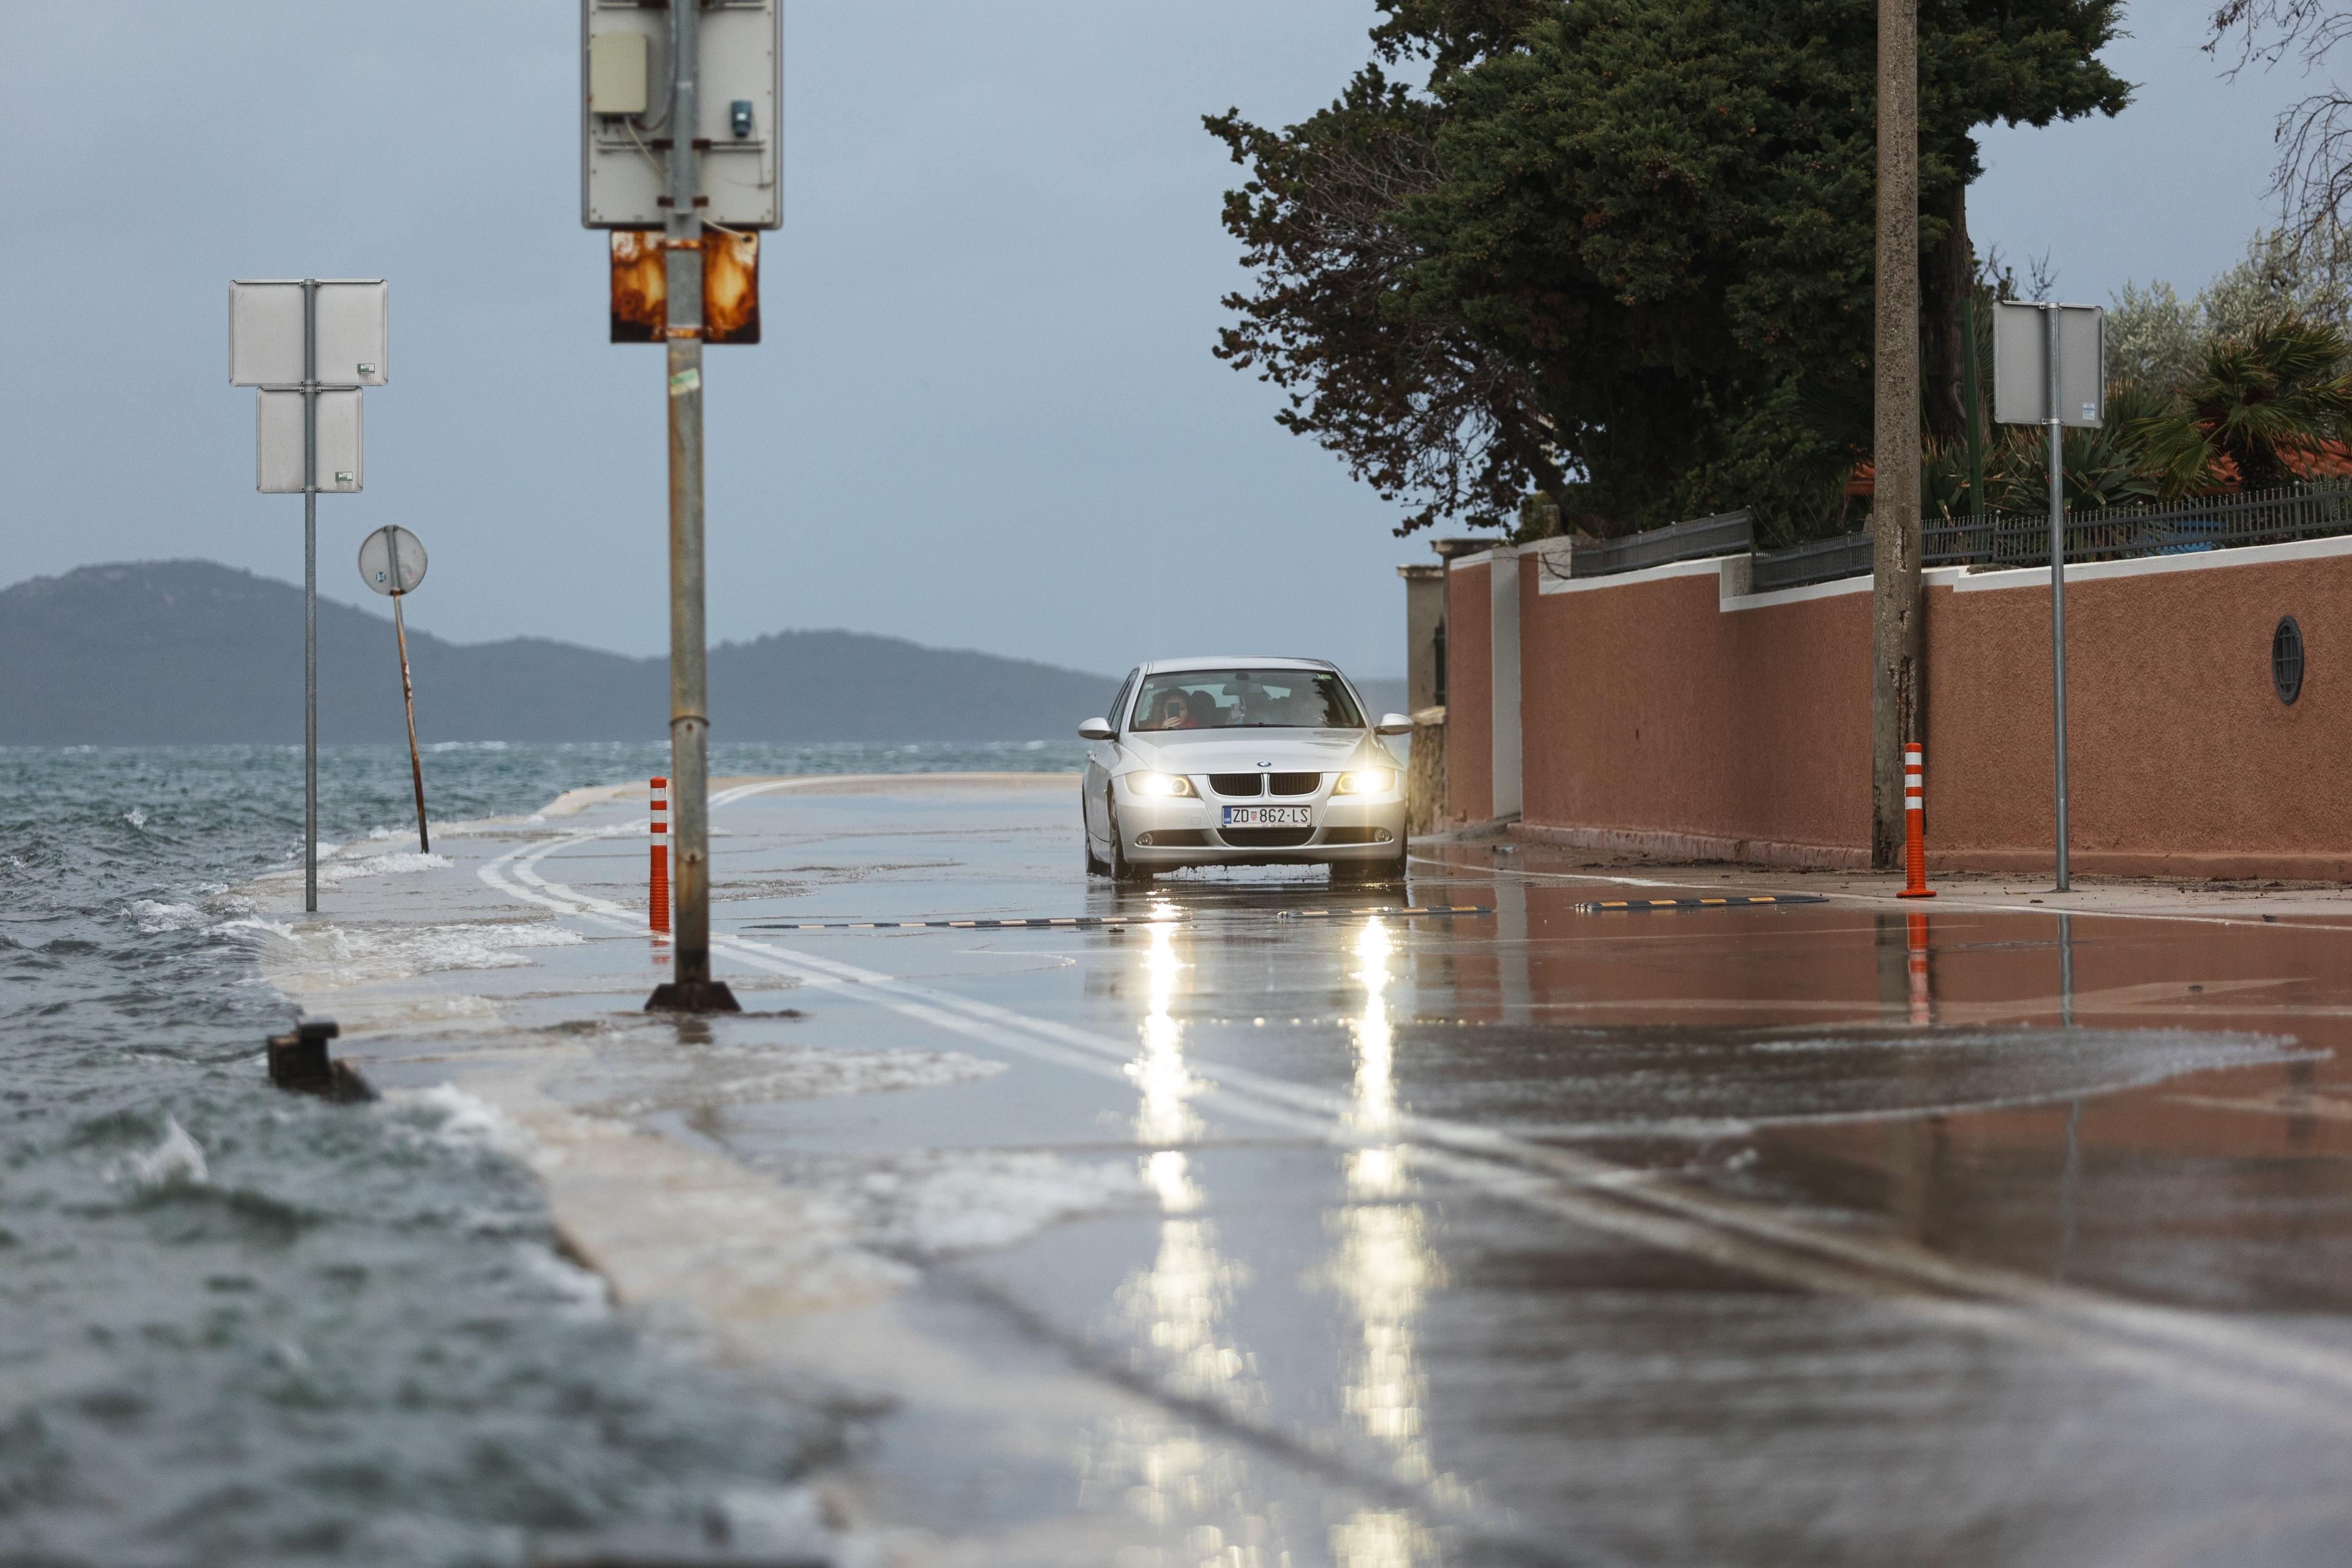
[[154, 916], [791, 1524], [390, 864], [939, 1202], [335, 868], [740, 1075], [581, 1292], [178, 1160], [448, 1115], [136, 816], [337, 955]]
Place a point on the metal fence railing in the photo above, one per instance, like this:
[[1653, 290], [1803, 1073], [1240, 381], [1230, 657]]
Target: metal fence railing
[[1726, 533], [2124, 533], [1822, 561], [2107, 533]]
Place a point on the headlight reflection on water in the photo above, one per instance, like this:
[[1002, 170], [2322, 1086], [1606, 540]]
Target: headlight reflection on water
[[1383, 1269], [1175, 1312]]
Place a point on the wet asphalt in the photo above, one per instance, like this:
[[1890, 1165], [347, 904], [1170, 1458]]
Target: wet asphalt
[[1811, 1234]]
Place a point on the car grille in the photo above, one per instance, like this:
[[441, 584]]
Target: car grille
[[1237, 783], [1175, 837], [1355, 835], [1294, 784], [1267, 838]]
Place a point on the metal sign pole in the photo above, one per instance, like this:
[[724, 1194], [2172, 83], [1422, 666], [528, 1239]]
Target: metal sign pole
[[2057, 586], [691, 989], [408, 693], [311, 596]]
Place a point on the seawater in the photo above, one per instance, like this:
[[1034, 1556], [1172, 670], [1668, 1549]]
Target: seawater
[[237, 1326]]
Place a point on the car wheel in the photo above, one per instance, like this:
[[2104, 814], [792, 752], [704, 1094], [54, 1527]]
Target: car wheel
[[1094, 867], [1125, 872]]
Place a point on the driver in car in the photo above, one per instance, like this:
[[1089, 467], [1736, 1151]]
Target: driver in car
[[1175, 714]]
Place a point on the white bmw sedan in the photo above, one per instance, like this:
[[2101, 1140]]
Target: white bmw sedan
[[1242, 761]]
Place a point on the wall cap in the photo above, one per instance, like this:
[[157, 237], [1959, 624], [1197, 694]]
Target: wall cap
[[1966, 582], [1796, 595], [1708, 565]]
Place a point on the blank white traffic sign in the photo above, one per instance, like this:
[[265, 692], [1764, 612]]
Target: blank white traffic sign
[[2021, 363], [265, 332], [278, 441]]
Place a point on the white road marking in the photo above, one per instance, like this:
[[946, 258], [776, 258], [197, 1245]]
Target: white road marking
[[2167, 1344]]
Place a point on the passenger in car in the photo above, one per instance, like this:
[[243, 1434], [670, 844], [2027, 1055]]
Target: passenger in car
[[1175, 714]]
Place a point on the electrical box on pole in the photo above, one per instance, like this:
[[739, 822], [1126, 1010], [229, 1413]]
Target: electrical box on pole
[[626, 120], [681, 155]]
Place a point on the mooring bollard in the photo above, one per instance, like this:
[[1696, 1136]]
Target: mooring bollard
[[299, 1063], [1915, 835], [660, 896]]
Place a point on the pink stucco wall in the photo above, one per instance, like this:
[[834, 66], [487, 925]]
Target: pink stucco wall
[[1469, 695], [1654, 716]]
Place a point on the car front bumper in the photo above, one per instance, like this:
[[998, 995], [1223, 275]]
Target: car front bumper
[[1163, 832]]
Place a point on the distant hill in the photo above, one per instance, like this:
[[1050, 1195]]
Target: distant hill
[[193, 652], [187, 652]]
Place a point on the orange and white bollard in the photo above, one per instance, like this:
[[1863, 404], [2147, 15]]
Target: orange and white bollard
[[1915, 832], [660, 897]]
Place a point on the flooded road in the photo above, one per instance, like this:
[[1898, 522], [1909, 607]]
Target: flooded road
[[1228, 1231]]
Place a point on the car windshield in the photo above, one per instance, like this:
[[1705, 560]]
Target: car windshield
[[1245, 700]]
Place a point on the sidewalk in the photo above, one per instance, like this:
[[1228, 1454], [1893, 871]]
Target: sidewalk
[[1487, 845]]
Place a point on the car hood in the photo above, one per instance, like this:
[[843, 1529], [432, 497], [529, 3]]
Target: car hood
[[1274, 750]]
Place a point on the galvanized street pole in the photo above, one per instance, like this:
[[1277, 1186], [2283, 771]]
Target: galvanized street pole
[[691, 989], [2057, 583], [1897, 628], [311, 596], [282, 333], [2050, 369]]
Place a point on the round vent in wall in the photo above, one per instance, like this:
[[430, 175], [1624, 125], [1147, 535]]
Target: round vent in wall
[[2286, 659]]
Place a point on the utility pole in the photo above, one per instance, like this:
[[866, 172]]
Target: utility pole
[[691, 989], [1897, 626]]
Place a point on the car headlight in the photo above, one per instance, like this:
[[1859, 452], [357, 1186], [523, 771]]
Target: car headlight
[[1367, 781], [1160, 784]]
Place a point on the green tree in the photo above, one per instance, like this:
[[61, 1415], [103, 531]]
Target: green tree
[[2153, 337], [1620, 251], [2259, 400], [2157, 341]]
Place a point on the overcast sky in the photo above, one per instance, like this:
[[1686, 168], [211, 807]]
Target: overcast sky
[[985, 414]]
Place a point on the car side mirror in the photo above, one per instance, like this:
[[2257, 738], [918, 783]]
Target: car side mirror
[[1096, 730], [1394, 724]]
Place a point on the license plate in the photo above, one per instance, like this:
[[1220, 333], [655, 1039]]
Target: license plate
[[1268, 816]]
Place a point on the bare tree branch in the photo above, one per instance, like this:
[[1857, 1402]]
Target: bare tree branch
[[2313, 179]]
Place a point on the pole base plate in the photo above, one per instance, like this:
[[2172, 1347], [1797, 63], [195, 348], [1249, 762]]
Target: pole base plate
[[692, 996], [1916, 893]]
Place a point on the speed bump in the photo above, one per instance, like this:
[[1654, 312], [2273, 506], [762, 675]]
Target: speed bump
[[1745, 902], [1416, 910], [1039, 922]]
